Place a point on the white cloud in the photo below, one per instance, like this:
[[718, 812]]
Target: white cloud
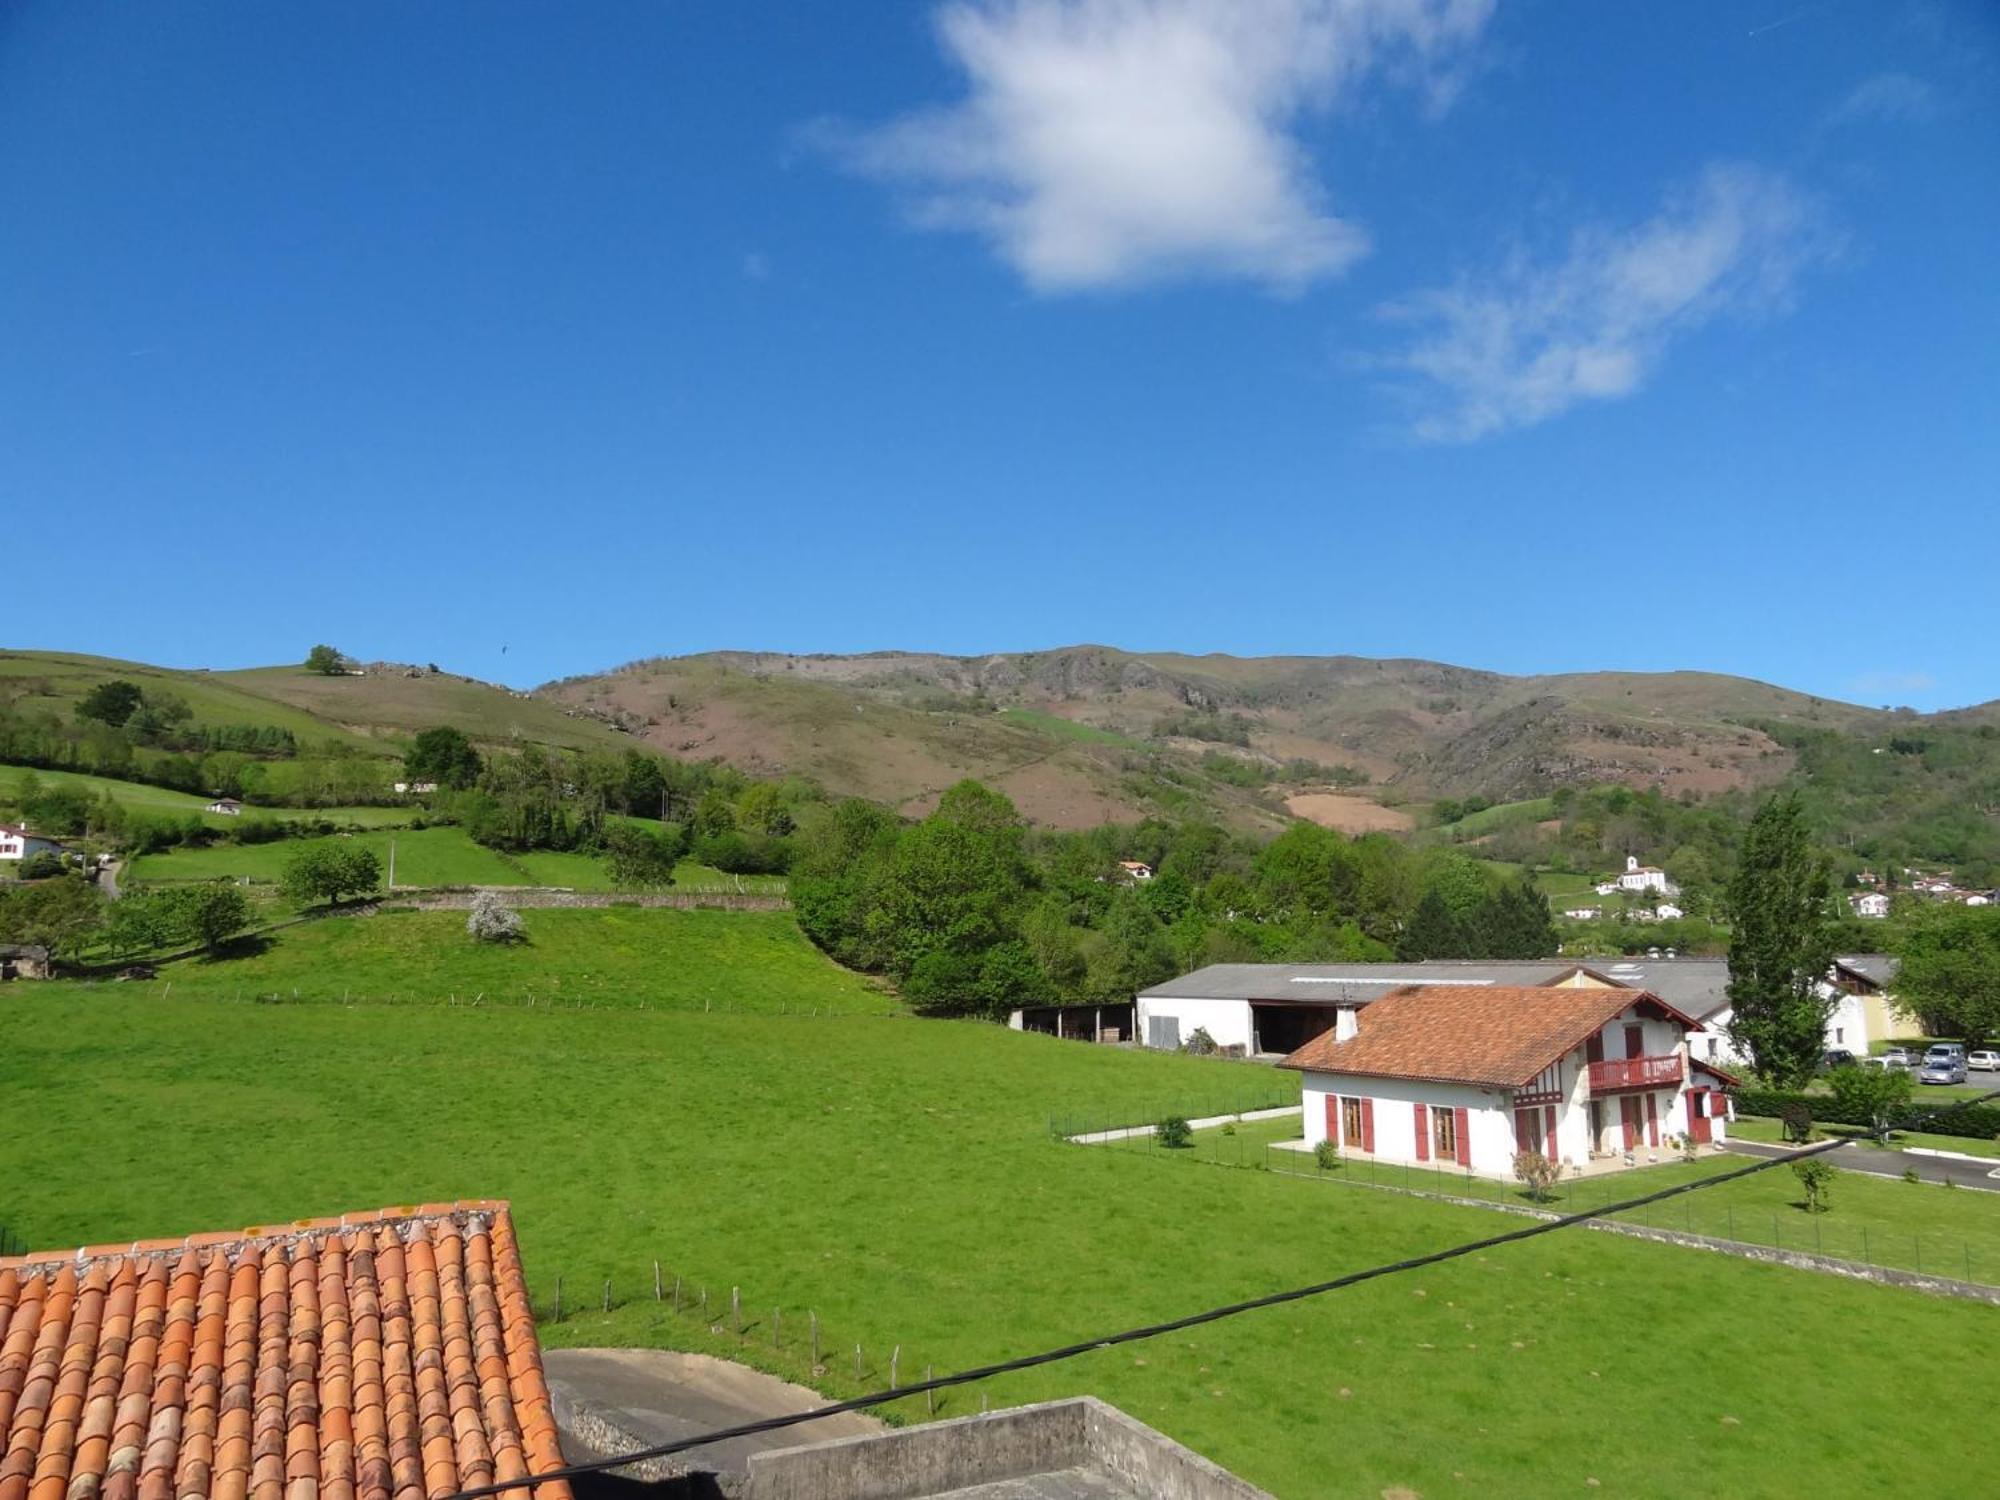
[[1530, 340], [1892, 97], [1109, 142]]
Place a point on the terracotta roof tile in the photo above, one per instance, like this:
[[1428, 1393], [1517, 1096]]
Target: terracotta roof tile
[[1489, 1036], [384, 1356]]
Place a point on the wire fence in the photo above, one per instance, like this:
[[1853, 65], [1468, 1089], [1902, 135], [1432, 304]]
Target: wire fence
[[792, 1342], [1084, 1119], [11, 1243], [1744, 1215]]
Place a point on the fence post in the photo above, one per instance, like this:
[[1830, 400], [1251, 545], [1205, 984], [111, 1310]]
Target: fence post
[[659, 1291], [813, 1319], [607, 1294], [557, 1317], [777, 1324], [1864, 1247], [895, 1363], [1919, 1241], [930, 1397], [857, 1362], [736, 1309], [677, 1296]]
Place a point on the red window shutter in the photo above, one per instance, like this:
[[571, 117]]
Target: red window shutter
[[1521, 1118], [1652, 1121], [1549, 1136], [1333, 1118], [1368, 1125], [1635, 1041], [1629, 1121], [1460, 1127], [1423, 1133]]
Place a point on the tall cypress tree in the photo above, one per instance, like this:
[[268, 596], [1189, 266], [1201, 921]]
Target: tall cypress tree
[[1434, 930], [1780, 945]]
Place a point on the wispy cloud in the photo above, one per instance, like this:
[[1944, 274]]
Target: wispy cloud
[[1891, 97], [1102, 143], [1531, 339]]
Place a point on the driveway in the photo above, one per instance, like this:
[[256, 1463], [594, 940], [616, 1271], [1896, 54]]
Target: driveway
[[1853, 1157], [611, 1401]]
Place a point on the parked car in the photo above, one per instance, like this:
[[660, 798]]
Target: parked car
[[1943, 1070], [1899, 1057], [1985, 1060], [1942, 1052], [1836, 1057]]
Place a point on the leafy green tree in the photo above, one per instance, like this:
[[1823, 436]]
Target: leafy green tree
[[1515, 922], [325, 660], [1876, 1092], [110, 702], [1781, 945], [639, 857], [63, 915], [331, 871], [1950, 970], [1434, 930], [211, 913], [1815, 1175], [443, 755]]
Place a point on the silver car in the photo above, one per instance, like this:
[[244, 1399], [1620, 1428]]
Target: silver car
[[1943, 1070]]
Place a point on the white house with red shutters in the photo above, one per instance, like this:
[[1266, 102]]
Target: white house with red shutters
[[17, 843], [1469, 1076]]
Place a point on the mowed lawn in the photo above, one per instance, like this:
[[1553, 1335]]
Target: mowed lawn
[[163, 801], [429, 857], [897, 1177], [623, 956]]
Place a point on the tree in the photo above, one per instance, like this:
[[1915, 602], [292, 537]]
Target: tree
[[1816, 1177], [1537, 1172], [1433, 931], [110, 702], [60, 915], [639, 857], [213, 912], [331, 871], [1950, 971], [325, 660], [490, 922], [443, 755], [1781, 945], [1874, 1092]]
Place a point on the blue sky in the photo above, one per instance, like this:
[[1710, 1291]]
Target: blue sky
[[530, 339]]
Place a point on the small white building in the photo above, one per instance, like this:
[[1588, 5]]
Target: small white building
[[1135, 869], [1584, 913], [229, 807], [17, 843], [1638, 877], [1470, 1076], [1873, 904], [415, 788], [1666, 911]]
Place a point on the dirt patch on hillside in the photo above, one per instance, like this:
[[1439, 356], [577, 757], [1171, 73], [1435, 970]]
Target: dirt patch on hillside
[[1346, 814]]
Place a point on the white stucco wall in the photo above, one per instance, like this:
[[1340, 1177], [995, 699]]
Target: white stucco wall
[[1228, 1021], [1489, 1118]]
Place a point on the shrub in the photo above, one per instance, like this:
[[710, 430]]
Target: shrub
[[1200, 1043], [490, 922], [40, 866], [1174, 1133], [1326, 1155], [1797, 1120], [1540, 1173], [1978, 1122], [1816, 1177]]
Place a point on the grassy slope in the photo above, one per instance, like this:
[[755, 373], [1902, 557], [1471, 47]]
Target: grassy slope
[[425, 857], [623, 957], [164, 801], [897, 1177]]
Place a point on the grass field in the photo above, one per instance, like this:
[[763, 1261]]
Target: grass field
[[620, 956], [1753, 1129], [163, 801], [431, 857], [897, 1177], [1066, 729], [1876, 1220], [1493, 819]]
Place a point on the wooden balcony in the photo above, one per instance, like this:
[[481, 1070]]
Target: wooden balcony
[[1615, 1074]]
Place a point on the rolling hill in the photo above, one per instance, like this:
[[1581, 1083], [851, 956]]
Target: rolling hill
[[1085, 733]]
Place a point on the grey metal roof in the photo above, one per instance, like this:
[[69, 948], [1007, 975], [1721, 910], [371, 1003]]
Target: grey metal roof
[[1877, 968], [1697, 986], [1353, 983]]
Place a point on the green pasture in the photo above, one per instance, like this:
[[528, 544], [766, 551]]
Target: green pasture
[[898, 1178]]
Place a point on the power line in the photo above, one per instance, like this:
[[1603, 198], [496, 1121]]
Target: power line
[[1191, 1320]]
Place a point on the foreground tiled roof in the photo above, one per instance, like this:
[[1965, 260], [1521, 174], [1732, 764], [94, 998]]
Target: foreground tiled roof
[[380, 1356], [1491, 1036]]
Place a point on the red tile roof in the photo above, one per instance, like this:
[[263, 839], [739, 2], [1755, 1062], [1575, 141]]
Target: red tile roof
[[379, 1356], [1491, 1036]]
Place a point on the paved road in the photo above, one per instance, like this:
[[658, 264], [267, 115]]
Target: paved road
[[610, 1401], [1876, 1162]]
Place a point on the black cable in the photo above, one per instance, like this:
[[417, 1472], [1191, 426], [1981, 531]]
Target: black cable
[[1192, 1320]]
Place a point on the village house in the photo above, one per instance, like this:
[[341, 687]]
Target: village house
[[1584, 913], [415, 788], [1135, 869], [1471, 1076], [1638, 877], [23, 961], [17, 843], [1873, 904], [229, 807]]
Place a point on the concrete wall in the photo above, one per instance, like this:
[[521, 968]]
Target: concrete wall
[[1025, 1441], [1228, 1021]]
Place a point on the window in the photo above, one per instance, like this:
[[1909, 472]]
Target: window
[[1350, 1123], [1711, 1049], [1444, 1135]]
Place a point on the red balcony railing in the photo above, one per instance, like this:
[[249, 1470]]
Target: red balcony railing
[[1634, 1073]]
